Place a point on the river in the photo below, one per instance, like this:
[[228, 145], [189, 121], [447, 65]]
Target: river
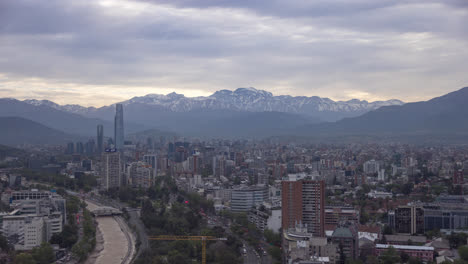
[[118, 240]]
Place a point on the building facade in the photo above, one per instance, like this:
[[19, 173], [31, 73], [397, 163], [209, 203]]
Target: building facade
[[119, 127], [111, 175], [303, 201]]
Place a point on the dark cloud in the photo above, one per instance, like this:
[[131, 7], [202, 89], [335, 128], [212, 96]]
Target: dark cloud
[[380, 49]]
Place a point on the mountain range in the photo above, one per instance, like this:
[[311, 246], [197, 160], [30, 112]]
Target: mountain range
[[240, 100], [246, 113], [444, 116]]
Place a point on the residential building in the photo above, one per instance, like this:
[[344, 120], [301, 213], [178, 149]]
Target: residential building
[[303, 201], [141, 174], [111, 175]]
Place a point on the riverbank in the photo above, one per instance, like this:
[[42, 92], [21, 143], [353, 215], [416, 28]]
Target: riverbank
[[118, 242]]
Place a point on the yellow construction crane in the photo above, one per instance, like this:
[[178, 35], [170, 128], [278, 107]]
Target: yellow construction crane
[[203, 239]]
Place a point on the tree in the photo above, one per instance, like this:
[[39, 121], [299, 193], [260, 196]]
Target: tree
[[390, 256], [24, 258], [414, 260], [404, 256], [463, 252], [387, 230], [44, 254], [4, 244]]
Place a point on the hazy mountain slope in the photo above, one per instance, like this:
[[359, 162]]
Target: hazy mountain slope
[[54, 118], [447, 114], [17, 131]]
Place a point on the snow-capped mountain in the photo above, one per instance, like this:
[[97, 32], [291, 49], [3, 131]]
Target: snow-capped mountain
[[242, 99]]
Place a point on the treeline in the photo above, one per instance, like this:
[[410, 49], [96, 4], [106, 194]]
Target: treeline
[[84, 182]]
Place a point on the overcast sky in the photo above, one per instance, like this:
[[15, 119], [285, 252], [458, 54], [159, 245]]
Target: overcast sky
[[94, 52]]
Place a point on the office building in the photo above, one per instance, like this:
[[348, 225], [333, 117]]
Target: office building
[[111, 175], [23, 231], [100, 139], [244, 198], [303, 201], [36, 216], [119, 127], [409, 220]]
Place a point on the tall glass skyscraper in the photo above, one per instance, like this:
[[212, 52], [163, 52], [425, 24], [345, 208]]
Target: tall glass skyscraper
[[119, 127], [100, 139]]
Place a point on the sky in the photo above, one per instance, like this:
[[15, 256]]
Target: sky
[[97, 52]]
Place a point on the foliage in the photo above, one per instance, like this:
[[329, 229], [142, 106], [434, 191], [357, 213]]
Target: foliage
[[463, 252], [170, 211], [44, 254], [275, 252], [24, 258], [387, 230], [83, 182], [390, 256], [413, 260], [457, 239], [88, 241], [4, 244], [272, 238]]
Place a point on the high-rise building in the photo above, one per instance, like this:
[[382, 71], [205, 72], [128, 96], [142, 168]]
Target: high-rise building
[[100, 139], [79, 147], [70, 148], [141, 174], [89, 147], [303, 202], [111, 175], [151, 159], [119, 127]]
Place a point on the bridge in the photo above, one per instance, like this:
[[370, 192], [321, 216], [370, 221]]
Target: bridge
[[106, 211]]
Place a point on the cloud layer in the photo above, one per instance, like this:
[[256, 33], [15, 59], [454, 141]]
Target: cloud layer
[[95, 52]]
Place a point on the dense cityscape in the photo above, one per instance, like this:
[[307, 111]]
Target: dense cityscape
[[233, 132], [265, 201]]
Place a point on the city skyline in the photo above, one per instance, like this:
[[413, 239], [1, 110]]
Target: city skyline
[[363, 49]]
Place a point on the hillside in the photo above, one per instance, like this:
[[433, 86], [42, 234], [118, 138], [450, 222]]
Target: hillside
[[444, 115], [18, 131]]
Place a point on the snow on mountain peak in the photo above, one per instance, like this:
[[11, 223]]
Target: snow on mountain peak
[[244, 99]]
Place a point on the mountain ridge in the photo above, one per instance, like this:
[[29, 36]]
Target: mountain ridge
[[241, 99]]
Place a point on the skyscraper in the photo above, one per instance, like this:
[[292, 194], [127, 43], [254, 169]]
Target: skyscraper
[[111, 176], [119, 127], [303, 201], [100, 139]]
